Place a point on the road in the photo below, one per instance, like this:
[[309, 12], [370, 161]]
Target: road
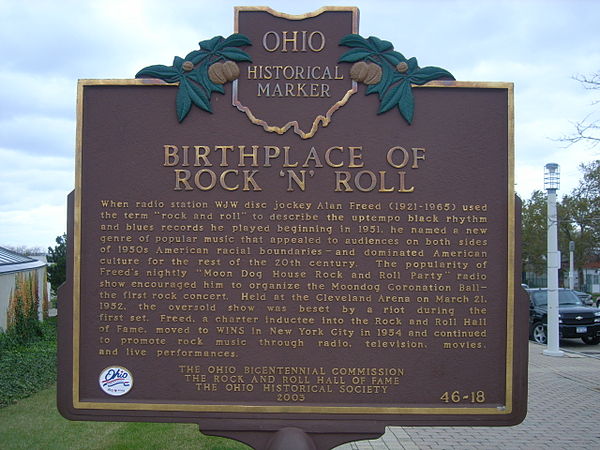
[[577, 345], [563, 399]]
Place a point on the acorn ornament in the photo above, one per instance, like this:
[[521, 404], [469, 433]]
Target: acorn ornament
[[221, 73], [231, 70], [358, 71], [367, 73], [373, 74], [402, 67]]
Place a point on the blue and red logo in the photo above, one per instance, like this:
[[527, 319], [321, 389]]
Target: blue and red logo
[[116, 380]]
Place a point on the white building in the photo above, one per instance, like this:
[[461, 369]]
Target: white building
[[591, 277], [23, 284]]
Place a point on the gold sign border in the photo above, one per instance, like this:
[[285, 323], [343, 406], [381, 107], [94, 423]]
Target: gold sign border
[[132, 406], [322, 120]]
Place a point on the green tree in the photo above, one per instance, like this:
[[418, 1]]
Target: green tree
[[57, 259], [533, 234], [581, 214]]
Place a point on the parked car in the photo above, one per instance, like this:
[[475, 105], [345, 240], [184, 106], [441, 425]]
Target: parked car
[[586, 298], [575, 320]]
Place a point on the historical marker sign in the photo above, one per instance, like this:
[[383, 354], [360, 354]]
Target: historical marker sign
[[294, 250]]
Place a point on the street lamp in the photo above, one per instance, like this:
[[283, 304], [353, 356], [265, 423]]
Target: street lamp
[[571, 266], [552, 183]]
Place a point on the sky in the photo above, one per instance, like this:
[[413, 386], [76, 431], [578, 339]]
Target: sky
[[46, 46]]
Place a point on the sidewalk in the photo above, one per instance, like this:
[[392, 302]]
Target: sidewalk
[[563, 413]]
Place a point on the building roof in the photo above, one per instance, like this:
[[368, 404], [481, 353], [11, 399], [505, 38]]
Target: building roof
[[14, 262]]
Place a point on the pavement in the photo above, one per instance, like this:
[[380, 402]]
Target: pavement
[[563, 413]]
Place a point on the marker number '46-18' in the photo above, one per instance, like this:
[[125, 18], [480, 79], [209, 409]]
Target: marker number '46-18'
[[458, 397]]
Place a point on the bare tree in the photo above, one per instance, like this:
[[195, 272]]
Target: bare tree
[[587, 130], [25, 250]]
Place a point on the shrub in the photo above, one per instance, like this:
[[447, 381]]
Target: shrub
[[23, 324], [26, 368]]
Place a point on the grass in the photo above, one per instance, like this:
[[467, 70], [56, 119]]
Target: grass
[[31, 419], [35, 422], [27, 367]]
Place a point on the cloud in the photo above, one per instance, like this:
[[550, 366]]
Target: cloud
[[47, 45], [41, 223], [36, 134], [25, 92], [33, 190], [33, 195]]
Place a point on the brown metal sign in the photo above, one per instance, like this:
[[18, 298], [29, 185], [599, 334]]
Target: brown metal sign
[[229, 265], [294, 81]]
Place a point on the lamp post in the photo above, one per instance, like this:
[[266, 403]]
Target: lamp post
[[552, 183], [571, 266]]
